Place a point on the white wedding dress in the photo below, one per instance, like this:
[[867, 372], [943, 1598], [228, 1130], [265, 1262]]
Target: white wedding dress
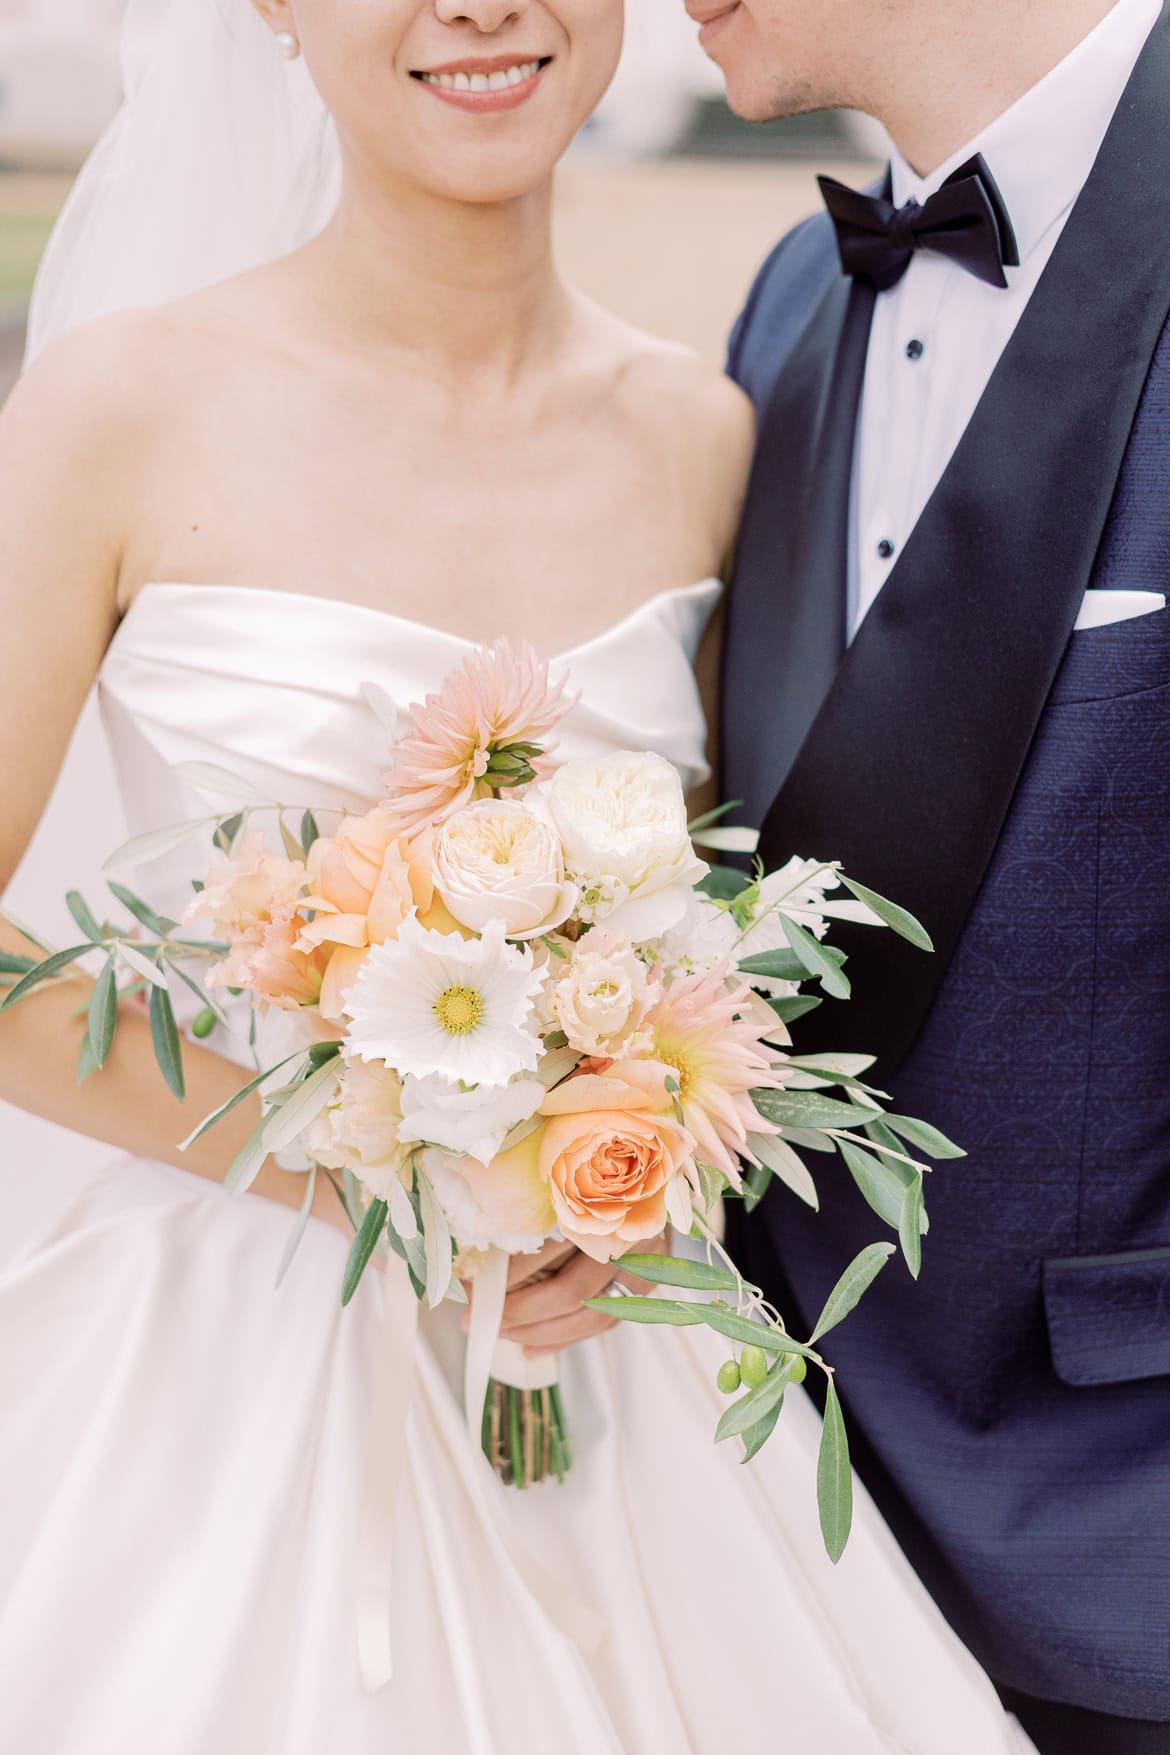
[[181, 1448]]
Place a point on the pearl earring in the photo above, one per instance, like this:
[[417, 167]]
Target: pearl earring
[[287, 44]]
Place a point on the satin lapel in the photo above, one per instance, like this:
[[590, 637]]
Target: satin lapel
[[908, 773], [787, 603]]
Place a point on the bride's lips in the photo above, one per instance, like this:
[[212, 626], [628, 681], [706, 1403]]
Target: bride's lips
[[712, 20], [476, 83]]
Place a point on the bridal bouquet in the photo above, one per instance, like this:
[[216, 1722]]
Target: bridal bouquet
[[525, 1009]]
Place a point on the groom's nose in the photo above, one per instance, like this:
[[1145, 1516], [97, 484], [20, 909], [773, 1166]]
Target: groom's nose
[[485, 15]]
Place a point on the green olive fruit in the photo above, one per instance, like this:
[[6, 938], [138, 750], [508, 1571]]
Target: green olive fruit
[[798, 1369], [204, 1023], [753, 1366], [728, 1378]]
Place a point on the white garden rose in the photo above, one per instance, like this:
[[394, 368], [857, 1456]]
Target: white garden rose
[[474, 1120], [497, 860], [604, 993], [623, 822]]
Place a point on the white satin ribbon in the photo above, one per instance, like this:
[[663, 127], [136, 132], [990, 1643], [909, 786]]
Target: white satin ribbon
[[572, 1617], [386, 1450], [512, 1365], [385, 1453]]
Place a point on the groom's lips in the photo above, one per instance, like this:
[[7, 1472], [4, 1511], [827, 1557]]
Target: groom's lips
[[712, 19]]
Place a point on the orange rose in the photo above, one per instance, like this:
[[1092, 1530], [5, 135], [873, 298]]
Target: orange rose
[[609, 1152]]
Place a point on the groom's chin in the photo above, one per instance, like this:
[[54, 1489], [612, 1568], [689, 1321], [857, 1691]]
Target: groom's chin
[[755, 92]]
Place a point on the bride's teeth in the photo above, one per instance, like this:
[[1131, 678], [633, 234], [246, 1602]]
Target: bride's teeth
[[484, 81]]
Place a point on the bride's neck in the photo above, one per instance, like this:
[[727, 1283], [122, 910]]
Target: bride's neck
[[468, 288]]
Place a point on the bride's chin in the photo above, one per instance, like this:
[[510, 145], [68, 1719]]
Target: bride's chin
[[488, 178]]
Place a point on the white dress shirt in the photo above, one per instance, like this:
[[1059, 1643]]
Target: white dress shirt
[[938, 335]]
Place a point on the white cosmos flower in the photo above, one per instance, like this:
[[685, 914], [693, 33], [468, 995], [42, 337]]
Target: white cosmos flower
[[432, 1002], [474, 1121], [623, 822]]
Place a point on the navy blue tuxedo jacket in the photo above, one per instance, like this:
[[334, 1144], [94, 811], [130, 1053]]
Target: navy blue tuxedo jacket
[[1009, 781]]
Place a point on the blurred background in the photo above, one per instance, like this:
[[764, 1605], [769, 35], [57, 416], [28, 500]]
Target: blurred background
[[665, 209], [666, 206]]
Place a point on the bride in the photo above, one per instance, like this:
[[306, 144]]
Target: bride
[[337, 417]]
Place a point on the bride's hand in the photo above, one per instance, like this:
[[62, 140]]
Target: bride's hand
[[544, 1311]]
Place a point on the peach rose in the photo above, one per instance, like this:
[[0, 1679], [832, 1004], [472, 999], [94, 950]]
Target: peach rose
[[363, 883], [610, 1152]]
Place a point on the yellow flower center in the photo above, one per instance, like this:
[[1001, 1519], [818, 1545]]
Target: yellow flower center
[[682, 1072], [459, 1010]]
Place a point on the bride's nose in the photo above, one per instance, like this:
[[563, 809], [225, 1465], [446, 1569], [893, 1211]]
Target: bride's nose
[[485, 15]]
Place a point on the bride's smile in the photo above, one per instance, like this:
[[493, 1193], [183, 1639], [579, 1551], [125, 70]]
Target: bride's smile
[[485, 85]]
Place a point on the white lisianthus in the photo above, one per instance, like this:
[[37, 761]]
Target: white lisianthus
[[433, 1002], [361, 1130], [475, 1120], [497, 860], [502, 1205], [602, 996], [705, 937], [623, 823]]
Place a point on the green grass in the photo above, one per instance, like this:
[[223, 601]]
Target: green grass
[[22, 238]]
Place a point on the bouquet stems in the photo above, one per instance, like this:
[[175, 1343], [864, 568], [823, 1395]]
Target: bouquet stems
[[524, 1434]]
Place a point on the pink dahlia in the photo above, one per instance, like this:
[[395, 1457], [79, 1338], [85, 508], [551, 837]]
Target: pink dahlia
[[483, 729], [705, 1031]]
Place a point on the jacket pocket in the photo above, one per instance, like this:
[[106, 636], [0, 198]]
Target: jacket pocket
[[1109, 1316]]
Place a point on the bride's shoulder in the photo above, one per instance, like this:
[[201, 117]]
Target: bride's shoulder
[[680, 400], [110, 377]]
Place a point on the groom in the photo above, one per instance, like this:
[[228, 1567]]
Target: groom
[[948, 665]]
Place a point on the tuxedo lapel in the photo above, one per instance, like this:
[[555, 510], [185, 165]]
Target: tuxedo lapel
[[909, 769], [787, 632]]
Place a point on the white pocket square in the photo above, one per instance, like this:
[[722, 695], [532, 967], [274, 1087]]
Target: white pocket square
[[1100, 608]]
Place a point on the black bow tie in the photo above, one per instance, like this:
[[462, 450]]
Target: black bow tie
[[966, 220]]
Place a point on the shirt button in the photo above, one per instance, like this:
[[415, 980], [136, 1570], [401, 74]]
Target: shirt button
[[915, 350], [885, 548]]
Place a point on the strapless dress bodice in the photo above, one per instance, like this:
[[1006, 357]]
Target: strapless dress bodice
[[277, 688]]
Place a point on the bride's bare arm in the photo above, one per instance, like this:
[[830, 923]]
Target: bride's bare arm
[[71, 438]]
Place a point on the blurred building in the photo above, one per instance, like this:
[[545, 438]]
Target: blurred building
[[58, 77]]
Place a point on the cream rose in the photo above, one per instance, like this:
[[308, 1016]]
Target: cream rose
[[496, 860], [623, 823], [602, 996], [362, 1130]]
